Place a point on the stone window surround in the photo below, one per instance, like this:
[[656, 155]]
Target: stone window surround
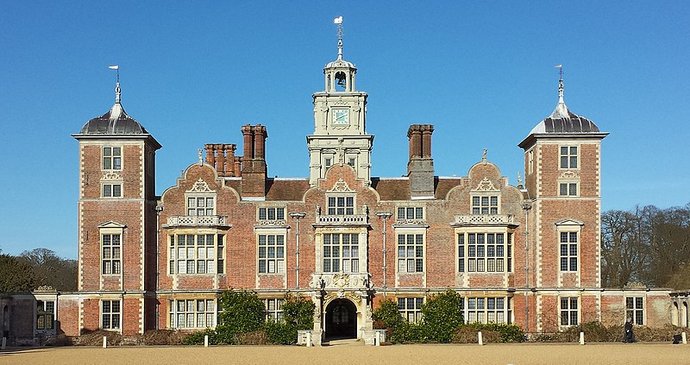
[[279, 270], [410, 231], [112, 158], [111, 231], [219, 249], [174, 313], [569, 155], [508, 242]]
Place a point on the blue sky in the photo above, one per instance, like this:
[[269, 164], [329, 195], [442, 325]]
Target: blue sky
[[193, 72]]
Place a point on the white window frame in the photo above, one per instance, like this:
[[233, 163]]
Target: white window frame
[[569, 311], [198, 311], [274, 309], [636, 309], [114, 317], [270, 213], [108, 189], [409, 213], [111, 254], [273, 260], [569, 191], [568, 254], [341, 209], [479, 310], [180, 254], [408, 255], [193, 208], [478, 206], [410, 308], [465, 258], [568, 157], [108, 154], [353, 260]]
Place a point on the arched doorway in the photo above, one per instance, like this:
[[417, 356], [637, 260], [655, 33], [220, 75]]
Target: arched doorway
[[341, 319]]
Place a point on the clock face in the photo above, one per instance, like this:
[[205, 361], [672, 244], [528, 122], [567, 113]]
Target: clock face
[[341, 116]]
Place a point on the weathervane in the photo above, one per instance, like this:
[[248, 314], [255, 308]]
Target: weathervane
[[339, 22], [118, 93]]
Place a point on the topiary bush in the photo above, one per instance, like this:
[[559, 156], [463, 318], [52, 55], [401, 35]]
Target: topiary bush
[[491, 333], [441, 316], [240, 312]]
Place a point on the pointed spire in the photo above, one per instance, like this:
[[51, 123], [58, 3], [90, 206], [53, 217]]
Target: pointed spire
[[561, 111], [339, 22], [116, 110]]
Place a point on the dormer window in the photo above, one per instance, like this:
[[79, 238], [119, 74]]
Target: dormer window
[[200, 205], [485, 204], [341, 205]]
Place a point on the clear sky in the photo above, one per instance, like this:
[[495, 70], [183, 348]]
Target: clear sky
[[193, 72]]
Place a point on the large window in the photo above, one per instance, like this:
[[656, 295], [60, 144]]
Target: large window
[[192, 313], [485, 252], [341, 205], [568, 245], [410, 213], [45, 315], [271, 214], [271, 253], [486, 204], [111, 245], [274, 309], [634, 310], [197, 254], [411, 309], [569, 313], [112, 158], [111, 312], [200, 205], [341, 252], [410, 253], [488, 310], [568, 157]]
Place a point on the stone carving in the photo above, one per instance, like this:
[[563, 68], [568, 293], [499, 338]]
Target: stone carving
[[340, 187], [200, 186], [569, 175], [485, 185], [110, 175]]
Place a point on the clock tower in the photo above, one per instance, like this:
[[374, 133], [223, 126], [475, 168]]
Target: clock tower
[[339, 121]]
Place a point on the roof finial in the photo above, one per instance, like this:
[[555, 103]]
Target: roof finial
[[560, 84], [118, 91], [339, 22], [484, 153]]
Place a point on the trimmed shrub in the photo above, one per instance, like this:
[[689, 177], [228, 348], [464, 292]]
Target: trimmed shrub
[[299, 312], [442, 315], [491, 333], [241, 312]]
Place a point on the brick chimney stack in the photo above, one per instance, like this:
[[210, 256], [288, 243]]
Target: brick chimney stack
[[229, 150], [254, 161], [210, 157], [420, 167]]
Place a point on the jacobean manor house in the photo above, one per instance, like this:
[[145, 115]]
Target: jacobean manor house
[[526, 254]]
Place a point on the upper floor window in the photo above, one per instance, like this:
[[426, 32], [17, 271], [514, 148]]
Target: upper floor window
[[485, 204], [530, 161], [411, 309], [271, 214], [569, 312], [45, 315], [485, 252], [112, 190], [341, 252], [409, 213], [197, 254], [192, 313], [410, 253], [567, 189], [200, 205], [568, 157], [110, 253], [569, 254], [634, 310], [111, 312], [271, 253], [112, 158], [341, 205]]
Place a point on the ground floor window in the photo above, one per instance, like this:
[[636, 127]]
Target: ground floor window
[[192, 313], [411, 309], [274, 309], [111, 312], [45, 315], [634, 308], [488, 310], [569, 311]]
